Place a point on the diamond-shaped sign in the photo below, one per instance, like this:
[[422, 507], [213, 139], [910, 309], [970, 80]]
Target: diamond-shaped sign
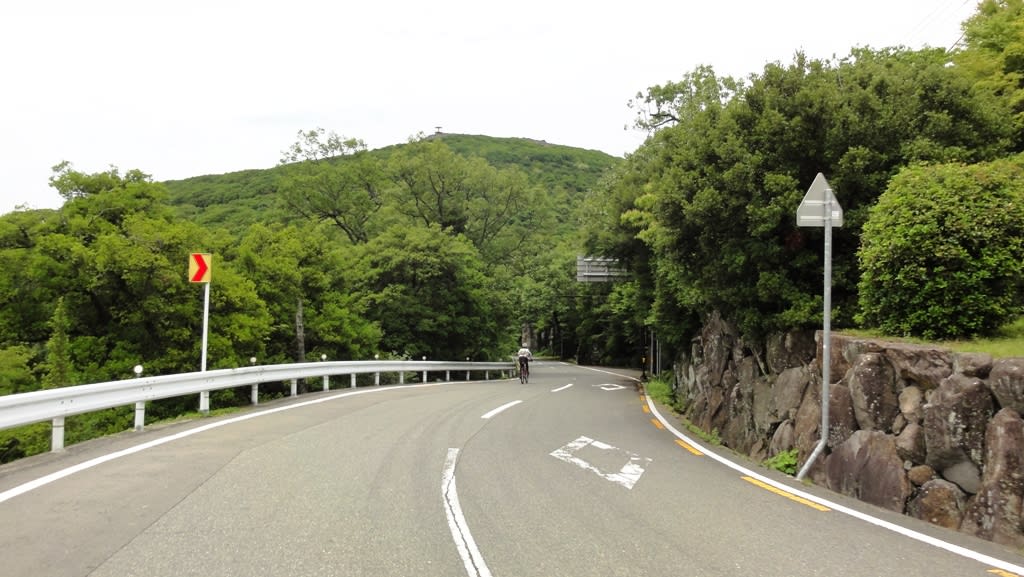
[[812, 208]]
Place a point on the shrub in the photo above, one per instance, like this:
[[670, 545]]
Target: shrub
[[942, 253], [785, 461]]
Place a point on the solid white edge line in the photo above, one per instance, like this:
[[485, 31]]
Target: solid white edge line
[[490, 414], [950, 547], [57, 475], [468, 551], [561, 388]]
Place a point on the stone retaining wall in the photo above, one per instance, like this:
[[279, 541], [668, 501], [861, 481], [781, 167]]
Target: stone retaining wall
[[915, 429]]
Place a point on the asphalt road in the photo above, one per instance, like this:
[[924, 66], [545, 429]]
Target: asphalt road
[[573, 474]]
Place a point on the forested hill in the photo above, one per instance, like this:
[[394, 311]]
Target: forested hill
[[445, 247], [244, 197]]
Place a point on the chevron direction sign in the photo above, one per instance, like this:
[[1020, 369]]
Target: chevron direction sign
[[199, 265]]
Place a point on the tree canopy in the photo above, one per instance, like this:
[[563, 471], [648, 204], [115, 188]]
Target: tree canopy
[[452, 246]]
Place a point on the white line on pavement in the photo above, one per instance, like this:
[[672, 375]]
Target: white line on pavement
[[468, 551], [955, 549], [490, 414], [57, 475], [561, 388]]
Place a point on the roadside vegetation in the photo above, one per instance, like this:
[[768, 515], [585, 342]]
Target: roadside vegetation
[[451, 246]]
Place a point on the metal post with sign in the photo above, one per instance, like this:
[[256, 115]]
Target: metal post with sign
[[199, 271], [819, 207]]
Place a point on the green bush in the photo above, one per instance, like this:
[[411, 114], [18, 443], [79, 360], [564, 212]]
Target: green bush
[[660, 390], [785, 461], [942, 253]]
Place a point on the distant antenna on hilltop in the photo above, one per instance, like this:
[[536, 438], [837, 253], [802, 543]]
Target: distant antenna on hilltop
[[438, 130]]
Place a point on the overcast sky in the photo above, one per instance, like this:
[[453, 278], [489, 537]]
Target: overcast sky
[[189, 87]]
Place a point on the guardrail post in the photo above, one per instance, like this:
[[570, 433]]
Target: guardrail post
[[424, 376], [140, 415], [447, 376], [401, 378], [204, 402], [256, 394], [57, 434], [376, 379], [295, 387], [327, 385], [353, 380], [467, 375], [487, 375]]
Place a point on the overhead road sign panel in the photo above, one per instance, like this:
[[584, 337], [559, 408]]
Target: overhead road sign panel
[[599, 269]]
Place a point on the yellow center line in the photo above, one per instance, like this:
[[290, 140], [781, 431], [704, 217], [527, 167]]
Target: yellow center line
[[789, 496], [657, 423], [647, 409], [689, 447], [1002, 573]]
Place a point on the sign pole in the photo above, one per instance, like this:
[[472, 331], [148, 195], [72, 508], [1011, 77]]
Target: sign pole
[[199, 265], [820, 194], [204, 397]]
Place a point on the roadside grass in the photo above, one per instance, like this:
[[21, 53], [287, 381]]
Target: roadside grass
[[660, 390], [194, 415], [1007, 342], [786, 461]]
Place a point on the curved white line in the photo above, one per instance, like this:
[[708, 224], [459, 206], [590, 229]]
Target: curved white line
[[955, 549], [468, 551], [57, 475], [490, 414], [561, 388]]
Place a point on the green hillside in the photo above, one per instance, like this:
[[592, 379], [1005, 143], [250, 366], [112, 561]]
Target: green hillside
[[238, 199]]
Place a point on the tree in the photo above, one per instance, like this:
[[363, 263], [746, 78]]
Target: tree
[[427, 291], [942, 253], [59, 370], [116, 256], [331, 178], [716, 192], [994, 57], [497, 210], [298, 264], [15, 373]]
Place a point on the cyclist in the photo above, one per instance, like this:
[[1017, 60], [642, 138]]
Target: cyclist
[[525, 356]]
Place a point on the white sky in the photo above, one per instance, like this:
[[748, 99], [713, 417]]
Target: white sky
[[189, 87]]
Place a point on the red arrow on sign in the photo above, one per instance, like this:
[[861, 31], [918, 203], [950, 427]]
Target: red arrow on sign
[[200, 270]]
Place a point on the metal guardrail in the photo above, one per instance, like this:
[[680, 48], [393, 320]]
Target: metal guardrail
[[56, 404]]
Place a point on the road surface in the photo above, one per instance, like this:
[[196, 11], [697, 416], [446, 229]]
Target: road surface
[[574, 474]]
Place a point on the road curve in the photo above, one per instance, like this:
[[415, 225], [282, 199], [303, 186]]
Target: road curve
[[573, 474]]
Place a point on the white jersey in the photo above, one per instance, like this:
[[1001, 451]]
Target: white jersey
[[525, 352]]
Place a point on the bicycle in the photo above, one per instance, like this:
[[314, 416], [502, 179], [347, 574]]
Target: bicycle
[[524, 370]]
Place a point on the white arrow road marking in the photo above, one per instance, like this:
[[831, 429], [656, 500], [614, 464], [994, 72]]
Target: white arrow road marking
[[471, 557], [627, 476]]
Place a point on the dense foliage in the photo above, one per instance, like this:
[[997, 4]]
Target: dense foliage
[[722, 183], [452, 246], [411, 251], [704, 212], [942, 254]]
